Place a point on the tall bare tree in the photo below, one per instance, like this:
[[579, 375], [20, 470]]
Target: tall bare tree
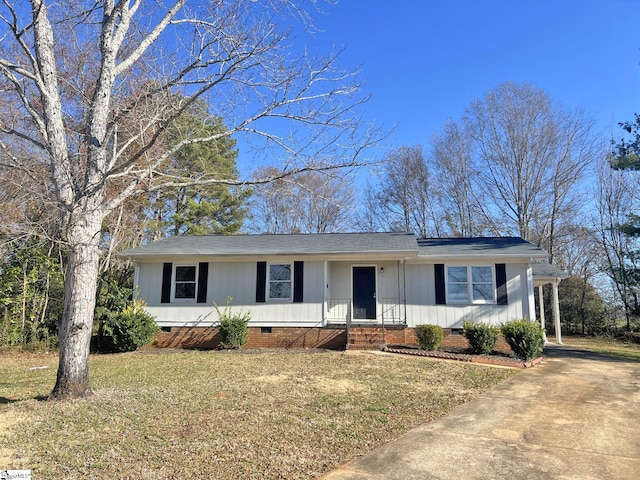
[[530, 155], [406, 198], [310, 202], [618, 197], [463, 206], [94, 86]]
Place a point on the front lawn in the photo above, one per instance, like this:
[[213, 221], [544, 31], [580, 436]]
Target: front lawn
[[220, 415]]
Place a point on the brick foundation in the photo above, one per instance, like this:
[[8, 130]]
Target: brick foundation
[[334, 338], [272, 337]]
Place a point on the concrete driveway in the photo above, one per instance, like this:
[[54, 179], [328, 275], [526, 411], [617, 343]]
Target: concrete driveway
[[575, 416]]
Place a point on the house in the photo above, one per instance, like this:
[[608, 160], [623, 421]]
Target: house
[[326, 290]]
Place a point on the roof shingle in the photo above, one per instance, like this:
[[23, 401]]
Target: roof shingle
[[478, 246], [396, 244], [293, 244]]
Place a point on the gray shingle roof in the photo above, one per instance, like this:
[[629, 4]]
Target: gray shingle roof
[[546, 270], [478, 246], [295, 244], [395, 244]]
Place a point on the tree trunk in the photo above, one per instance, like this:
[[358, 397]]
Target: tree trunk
[[80, 298], [23, 334]]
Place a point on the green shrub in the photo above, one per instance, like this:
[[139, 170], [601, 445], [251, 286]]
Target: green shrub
[[482, 337], [131, 328], [429, 336], [525, 337], [234, 332]]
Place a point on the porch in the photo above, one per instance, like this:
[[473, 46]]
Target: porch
[[388, 325], [388, 311], [543, 274], [369, 294]]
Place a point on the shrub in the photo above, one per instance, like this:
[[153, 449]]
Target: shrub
[[525, 337], [233, 326], [130, 328], [429, 336], [482, 337], [632, 337]]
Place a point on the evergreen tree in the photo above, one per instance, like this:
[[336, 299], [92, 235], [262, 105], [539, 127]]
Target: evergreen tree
[[202, 209]]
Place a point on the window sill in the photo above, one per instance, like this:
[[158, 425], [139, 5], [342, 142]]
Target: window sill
[[468, 304]]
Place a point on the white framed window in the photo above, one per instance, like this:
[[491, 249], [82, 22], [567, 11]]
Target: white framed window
[[280, 281], [482, 284], [185, 283], [470, 284]]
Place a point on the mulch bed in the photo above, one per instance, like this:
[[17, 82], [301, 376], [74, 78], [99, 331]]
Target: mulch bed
[[464, 355]]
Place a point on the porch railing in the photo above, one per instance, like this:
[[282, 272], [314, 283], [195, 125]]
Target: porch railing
[[390, 311], [339, 309]]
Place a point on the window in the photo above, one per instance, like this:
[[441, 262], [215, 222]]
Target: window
[[482, 284], [470, 284], [280, 281], [457, 285], [185, 282]]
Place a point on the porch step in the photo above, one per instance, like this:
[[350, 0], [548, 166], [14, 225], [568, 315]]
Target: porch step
[[365, 338]]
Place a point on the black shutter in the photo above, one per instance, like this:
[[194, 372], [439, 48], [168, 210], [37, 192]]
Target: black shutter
[[298, 281], [167, 272], [261, 282], [501, 284], [203, 277], [441, 297]]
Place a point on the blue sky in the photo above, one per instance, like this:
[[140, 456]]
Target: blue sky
[[424, 61]]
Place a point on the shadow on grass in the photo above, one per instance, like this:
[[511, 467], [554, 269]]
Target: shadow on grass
[[7, 401], [564, 351]]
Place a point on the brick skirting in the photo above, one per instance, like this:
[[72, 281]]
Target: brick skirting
[[270, 337], [334, 338]]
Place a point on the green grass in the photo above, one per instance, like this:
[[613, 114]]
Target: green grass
[[605, 345], [223, 415]]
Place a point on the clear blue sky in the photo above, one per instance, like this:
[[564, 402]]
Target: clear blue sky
[[424, 61]]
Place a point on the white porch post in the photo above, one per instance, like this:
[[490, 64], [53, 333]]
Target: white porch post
[[556, 313], [531, 295], [325, 297], [402, 296], [541, 303]]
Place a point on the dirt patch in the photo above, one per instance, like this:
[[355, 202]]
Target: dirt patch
[[343, 385], [326, 384], [272, 378]]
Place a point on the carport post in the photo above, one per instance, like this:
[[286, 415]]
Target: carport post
[[542, 320], [556, 313]]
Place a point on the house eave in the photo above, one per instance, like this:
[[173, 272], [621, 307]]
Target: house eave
[[440, 258], [212, 257]]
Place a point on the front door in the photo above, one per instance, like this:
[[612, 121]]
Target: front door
[[364, 293]]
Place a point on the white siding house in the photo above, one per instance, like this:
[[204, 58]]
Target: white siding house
[[331, 280]]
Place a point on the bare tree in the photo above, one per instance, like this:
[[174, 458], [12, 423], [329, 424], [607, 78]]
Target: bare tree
[[95, 85], [530, 154], [406, 198], [618, 197], [310, 202], [463, 206], [367, 217]]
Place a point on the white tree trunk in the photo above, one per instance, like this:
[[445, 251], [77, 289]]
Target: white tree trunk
[[80, 298], [226, 51]]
